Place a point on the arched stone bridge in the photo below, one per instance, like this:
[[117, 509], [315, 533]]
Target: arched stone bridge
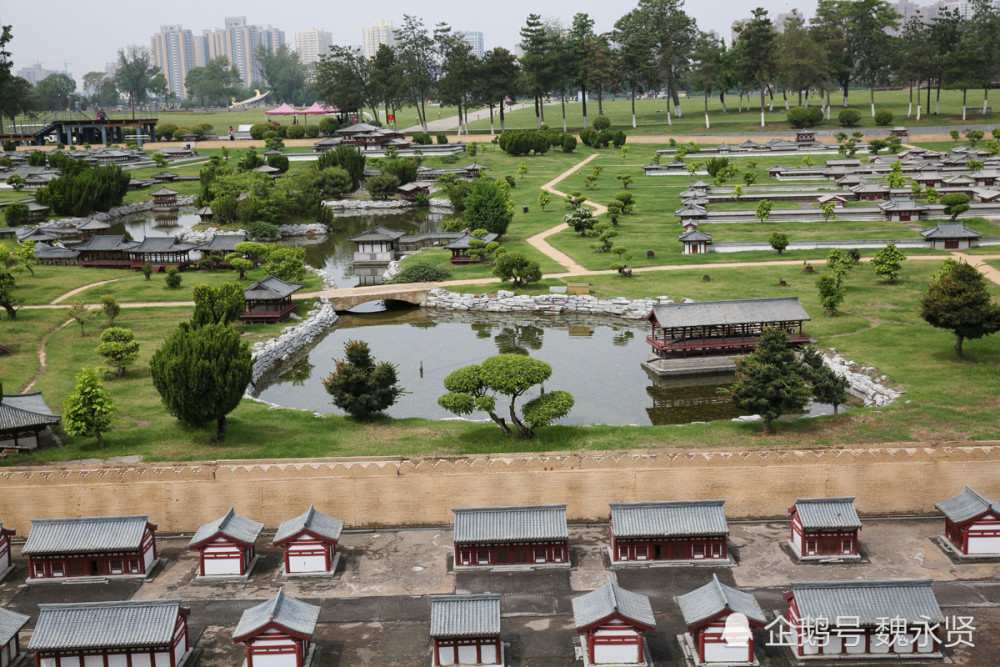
[[349, 297]]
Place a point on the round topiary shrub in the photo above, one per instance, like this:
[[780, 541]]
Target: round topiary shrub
[[270, 134], [295, 132], [800, 117], [883, 117], [568, 143], [165, 131], [442, 138], [602, 123], [420, 138], [421, 272], [257, 130], [849, 117], [312, 131], [328, 126], [282, 130]]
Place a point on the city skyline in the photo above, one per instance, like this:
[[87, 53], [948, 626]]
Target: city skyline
[[58, 45]]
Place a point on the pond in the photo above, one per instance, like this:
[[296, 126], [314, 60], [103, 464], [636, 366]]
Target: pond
[[138, 227], [598, 361]]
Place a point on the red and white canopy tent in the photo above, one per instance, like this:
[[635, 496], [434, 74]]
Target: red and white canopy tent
[[284, 110], [319, 109]]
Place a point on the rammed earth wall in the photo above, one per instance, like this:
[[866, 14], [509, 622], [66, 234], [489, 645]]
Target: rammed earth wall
[[393, 491]]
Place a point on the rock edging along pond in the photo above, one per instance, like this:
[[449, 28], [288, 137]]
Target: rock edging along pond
[[271, 354], [543, 304], [355, 206], [871, 390], [111, 216]]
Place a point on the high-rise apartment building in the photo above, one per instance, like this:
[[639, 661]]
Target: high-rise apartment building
[[35, 73], [173, 51], [238, 42], [311, 44], [475, 41], [374, 35]]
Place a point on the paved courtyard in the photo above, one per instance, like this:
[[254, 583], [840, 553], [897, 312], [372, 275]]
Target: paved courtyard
[[375, 610]]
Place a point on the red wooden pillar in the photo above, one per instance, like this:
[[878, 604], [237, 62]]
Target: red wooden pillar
[[249, 655], [701, 644], [437, 654]]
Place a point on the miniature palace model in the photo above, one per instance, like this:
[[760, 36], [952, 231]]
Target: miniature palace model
[[972, 523], [465, 630], [851, 617], [277, 633], [227, 546], [147, 633], [707, 611], [611, 622], [22, 418], [90, 547], [662, 531], [724, 327], [824, 527], [309, 542], [528, 535], [10, 625]]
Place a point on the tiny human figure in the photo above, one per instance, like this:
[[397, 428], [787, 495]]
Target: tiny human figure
[[295, 120], [232, 135]]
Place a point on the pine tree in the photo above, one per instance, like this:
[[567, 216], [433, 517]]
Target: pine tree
[[89, 410], [959, 300], [770, 380], [218, 305], [827, 386], [202, 372], [359, 386], [119, 348]]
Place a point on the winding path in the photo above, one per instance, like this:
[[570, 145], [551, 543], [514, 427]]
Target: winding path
[[74, 292], [43, 359]]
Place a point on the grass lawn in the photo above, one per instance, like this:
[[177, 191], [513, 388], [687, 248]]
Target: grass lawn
[[878, 325], [651, 116]]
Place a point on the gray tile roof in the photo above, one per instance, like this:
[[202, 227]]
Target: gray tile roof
[[905, 204], [34, 234], [714, 597], [510, 524], [695, 235], [270, 289], [609, 599], [689, 210], [104, 242], [10, 624], [818, 513], [717, 313], [291, 614], [152, 244], [378, 233], [224, 242], [45, 251], [462, 242], [315, 522], [232, 525], [465, 615], [164, 192], [105, 625], [94, 534], [868, 601], [675, 518], [92, 226], [25, 411], [966, 505], [950, 230]]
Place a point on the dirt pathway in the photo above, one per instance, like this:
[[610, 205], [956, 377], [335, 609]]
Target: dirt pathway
[[74, 292], [43, 359], [539, 242], [992, 274]]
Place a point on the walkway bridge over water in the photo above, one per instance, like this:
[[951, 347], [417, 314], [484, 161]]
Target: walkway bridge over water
[[349, 297]]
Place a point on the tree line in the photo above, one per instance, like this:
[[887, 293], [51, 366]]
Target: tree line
[[657, 47]]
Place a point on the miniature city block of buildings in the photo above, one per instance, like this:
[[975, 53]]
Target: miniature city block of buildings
[[144, 633], [309, 543], [824, 528], [227, 546], [611, 622], [465, 630], [851, 618], [713, 632], [278, 633], [668, 531], [972, 523], [90, 547], [531, 535]]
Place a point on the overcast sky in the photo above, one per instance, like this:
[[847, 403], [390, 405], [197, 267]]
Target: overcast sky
[[87, 35]]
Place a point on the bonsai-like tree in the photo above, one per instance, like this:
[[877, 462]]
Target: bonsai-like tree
[[829, 209], [517, 268], [544, 197], [361, 387], [959, 300], [202, 372], [82, 313], [119, 348], [508, 376], [955, 203], [887, 262], [89, 410], [770, 380], [839, 263], [110, 307]]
